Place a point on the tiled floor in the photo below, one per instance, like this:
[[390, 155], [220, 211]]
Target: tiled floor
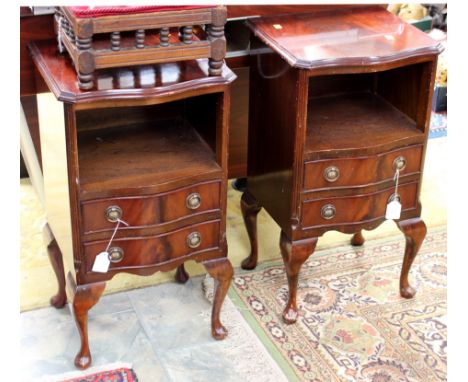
[[164, 331]]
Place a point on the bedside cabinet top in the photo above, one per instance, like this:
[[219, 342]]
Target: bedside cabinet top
[[145, 83], [361, 36]]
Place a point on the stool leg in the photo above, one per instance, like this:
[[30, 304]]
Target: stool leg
[[294, 255], [217, 42], [221, 270], [414, 231], [85, 64]]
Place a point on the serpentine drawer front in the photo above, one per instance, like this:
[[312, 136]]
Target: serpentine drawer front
[[362, 171], [126, 253], [140, 211], [355, 209]]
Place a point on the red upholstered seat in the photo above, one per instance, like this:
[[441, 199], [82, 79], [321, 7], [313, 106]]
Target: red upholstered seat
[[85, 11]]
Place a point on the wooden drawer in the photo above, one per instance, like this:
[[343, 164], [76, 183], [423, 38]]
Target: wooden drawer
[[360, 171], [141, 211], [355, 209], [156, 250]]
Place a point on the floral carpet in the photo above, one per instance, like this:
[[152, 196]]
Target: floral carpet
[[353, 325]]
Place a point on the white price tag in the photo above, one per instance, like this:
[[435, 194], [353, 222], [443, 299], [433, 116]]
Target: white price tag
[[393, 210], [101, 263]]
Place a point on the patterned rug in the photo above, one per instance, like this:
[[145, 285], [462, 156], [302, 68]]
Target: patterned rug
[[353, 325], [110, 373]]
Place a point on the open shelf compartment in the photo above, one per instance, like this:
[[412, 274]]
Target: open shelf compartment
[[364, 112], [146, 148]]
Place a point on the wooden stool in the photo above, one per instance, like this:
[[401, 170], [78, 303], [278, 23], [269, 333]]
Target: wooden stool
[[106, 37]]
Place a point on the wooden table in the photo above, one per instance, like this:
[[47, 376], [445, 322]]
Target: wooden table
[[340, 102], [138, 159]]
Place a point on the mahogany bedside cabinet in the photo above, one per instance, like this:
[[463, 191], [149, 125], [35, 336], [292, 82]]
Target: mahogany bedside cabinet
[[135, 172], [340, 104]]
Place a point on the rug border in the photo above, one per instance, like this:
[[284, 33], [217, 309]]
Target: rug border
[[83, 373], [261, 335]]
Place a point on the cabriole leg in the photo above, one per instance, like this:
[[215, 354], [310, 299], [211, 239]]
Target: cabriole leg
[[357, 239], [55, 256], [250, 209], [294, 255], [86, 296], [221, 271], [181, 275], [414, 231]]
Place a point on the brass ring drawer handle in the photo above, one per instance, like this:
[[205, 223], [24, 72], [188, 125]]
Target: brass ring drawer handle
[[194, 239], [399, 163], [331, 173], [193, 201], [328, 211], [116, 254], [113, 213]]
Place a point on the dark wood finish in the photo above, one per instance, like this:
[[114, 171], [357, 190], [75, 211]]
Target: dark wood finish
[[89, 56], [149, 251], [332, 132], [356, 36], [41, 27], [356, 210], [147, 211], [250, 209], [294, 255], [221, 270], [84, 298], [414, 231], [33, 28], [181, 275], [158, 155], [238, 124], [360, 170], [338, 101], [149, 151], [117, 88], [357, 239], [251, 10], [55, 256]]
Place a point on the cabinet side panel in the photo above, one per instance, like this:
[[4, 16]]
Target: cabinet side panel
[[272, 133], [54, 163]]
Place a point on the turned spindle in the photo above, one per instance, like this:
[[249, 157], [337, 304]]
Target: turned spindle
[[83, 43], [164, 37], [140, 38], [187, 34], [115, 41], [218, 46]]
